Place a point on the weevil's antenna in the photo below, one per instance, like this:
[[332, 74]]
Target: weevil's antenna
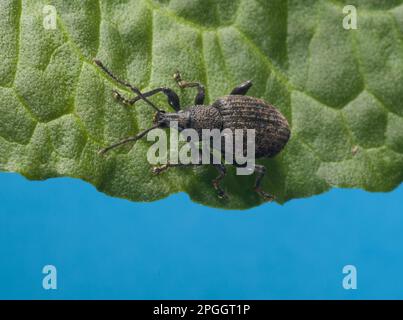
[[126, 84], [127, 140]]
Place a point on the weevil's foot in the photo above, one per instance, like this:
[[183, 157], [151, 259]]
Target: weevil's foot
[[177, 76], [220, 192], [222, 195], [117, 96], [97, 62], [102, 151], [266, 196], [159, 169]]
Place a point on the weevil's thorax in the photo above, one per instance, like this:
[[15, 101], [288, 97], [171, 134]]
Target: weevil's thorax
[[204, 117], [197, 117]]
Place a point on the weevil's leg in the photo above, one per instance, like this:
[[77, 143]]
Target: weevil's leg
[[119, 97], [243, 88], [126, 84], [260, 172], [216, 182], [165, 167], [127, 140], [172, 97], [201, 91]]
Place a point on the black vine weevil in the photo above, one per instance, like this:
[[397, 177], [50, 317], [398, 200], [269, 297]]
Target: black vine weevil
[[235, 111]]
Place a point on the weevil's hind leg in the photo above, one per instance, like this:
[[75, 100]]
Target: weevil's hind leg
[[242, 89], [216, 182], [172, 97], [201, 91], [260, 173]]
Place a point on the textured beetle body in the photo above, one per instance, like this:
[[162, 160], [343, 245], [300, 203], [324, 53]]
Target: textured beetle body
[[237, 112], [243, 112], [204, 117], [233, 112]]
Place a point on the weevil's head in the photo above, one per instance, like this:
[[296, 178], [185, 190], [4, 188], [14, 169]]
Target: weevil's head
[[180, 119], [159, 118]]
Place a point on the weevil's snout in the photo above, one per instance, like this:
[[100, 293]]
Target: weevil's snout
[[180, 120]]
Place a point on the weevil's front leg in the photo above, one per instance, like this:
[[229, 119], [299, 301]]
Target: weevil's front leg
[[119, 97], [172, 97], [242, 89], [260, 173], [126, 84], [201, 91]]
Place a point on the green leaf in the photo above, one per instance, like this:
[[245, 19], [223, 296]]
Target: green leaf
[[341, 90]]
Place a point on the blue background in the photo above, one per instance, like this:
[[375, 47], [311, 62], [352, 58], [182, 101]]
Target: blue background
[[110, 248]]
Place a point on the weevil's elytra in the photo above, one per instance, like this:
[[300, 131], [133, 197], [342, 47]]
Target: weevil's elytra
[[234, 111], [271, 127]]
